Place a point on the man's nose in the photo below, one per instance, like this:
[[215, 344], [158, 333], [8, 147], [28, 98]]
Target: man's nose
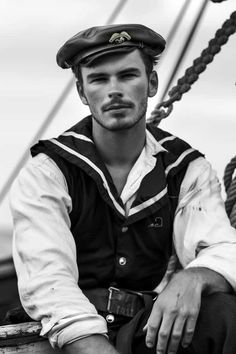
[[115, 89]]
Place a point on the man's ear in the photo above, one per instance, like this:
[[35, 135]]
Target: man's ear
[[81, 93], [153, 84]]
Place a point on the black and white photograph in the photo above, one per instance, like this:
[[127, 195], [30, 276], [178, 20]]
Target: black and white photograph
[[118, 177]]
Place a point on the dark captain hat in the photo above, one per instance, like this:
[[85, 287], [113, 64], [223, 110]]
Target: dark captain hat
[[103, 39]]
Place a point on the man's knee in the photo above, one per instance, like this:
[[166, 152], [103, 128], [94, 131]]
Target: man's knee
[[216, 325], [218, 307]]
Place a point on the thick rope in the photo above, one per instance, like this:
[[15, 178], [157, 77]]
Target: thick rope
[[163, 109], [230, 188]]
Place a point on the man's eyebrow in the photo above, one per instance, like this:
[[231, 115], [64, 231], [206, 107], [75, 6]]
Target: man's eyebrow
[[130, 70], [94, 75], [121, 72]]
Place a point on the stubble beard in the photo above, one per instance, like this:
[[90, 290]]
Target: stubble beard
[[142, 109]]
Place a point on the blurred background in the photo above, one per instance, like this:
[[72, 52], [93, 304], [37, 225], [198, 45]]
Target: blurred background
[[39, 100]]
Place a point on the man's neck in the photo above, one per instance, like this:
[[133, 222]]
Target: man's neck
[[119, 148]]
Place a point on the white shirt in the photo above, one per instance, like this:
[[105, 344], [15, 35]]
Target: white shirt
[[44, 250]]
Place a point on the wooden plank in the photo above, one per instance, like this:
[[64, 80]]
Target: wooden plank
[[20, 330], [24, 338], [31, 348]]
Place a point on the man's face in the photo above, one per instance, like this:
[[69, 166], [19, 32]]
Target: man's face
[[116, 89]]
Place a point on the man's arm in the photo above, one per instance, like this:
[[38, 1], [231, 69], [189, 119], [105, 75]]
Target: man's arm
[[45, 255], [93, 344], [203, 236], [206, 246]]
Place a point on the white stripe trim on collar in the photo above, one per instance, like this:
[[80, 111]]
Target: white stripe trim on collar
[[162, 141], [147, 203], [91, 164], [77, 136], [152, 143], [177, 162]]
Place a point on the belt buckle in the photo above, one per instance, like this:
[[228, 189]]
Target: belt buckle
[[111, 289], [123, 302]]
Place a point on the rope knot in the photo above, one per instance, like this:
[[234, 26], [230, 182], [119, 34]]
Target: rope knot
[[161, 111]]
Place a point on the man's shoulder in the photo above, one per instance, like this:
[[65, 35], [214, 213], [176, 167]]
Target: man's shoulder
[[168, 140], [82, 126], [157, 132]]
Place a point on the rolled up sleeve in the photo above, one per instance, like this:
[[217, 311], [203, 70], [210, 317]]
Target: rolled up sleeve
[[203, 236], [44, 254]]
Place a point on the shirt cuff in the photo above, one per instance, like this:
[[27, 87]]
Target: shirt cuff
[[70, 329], [211, 259]]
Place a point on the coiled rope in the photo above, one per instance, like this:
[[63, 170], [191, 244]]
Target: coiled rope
[[184, 84], [230, 188]]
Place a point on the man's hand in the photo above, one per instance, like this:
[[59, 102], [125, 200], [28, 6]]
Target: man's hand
[[175, 312], [93, 344]]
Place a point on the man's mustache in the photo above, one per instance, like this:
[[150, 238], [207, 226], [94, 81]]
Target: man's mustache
[[117, 103]]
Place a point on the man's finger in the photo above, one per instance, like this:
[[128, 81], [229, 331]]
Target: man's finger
[[152, 328], [176, 334], [164, 333], [189, 330]]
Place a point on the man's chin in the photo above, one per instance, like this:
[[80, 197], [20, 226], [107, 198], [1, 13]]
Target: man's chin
[[120, 123], [120, 127]]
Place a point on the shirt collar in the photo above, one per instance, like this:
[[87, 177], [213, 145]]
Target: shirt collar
[[152, 145]]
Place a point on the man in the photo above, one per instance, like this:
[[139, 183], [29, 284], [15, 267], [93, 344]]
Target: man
[[103, 213]]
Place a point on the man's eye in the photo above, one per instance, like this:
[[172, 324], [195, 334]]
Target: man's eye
[[129, 76], [98, 79]]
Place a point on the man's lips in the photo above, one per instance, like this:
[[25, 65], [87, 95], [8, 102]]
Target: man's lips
[[116, 106]]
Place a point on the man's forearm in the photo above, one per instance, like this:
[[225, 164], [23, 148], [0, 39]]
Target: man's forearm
[[211, 280], [93, 344]]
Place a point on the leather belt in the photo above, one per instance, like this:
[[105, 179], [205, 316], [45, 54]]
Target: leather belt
[[118, 301]]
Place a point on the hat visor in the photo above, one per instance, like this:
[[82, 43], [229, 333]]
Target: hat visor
[[98, 52]]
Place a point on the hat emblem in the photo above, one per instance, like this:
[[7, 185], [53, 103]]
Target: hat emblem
[[119, 38]]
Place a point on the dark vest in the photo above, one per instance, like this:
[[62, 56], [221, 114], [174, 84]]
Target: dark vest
[[112, 249]]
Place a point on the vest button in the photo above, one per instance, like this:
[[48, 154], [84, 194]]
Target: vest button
[[122, 261], [124, 229], [110, 318]]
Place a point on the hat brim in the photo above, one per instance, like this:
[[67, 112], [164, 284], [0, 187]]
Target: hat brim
[[94, 53]]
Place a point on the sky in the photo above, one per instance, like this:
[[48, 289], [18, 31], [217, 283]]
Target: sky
[[31, 32]]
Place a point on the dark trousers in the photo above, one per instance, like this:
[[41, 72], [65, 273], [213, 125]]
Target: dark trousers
[[215, 331]]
